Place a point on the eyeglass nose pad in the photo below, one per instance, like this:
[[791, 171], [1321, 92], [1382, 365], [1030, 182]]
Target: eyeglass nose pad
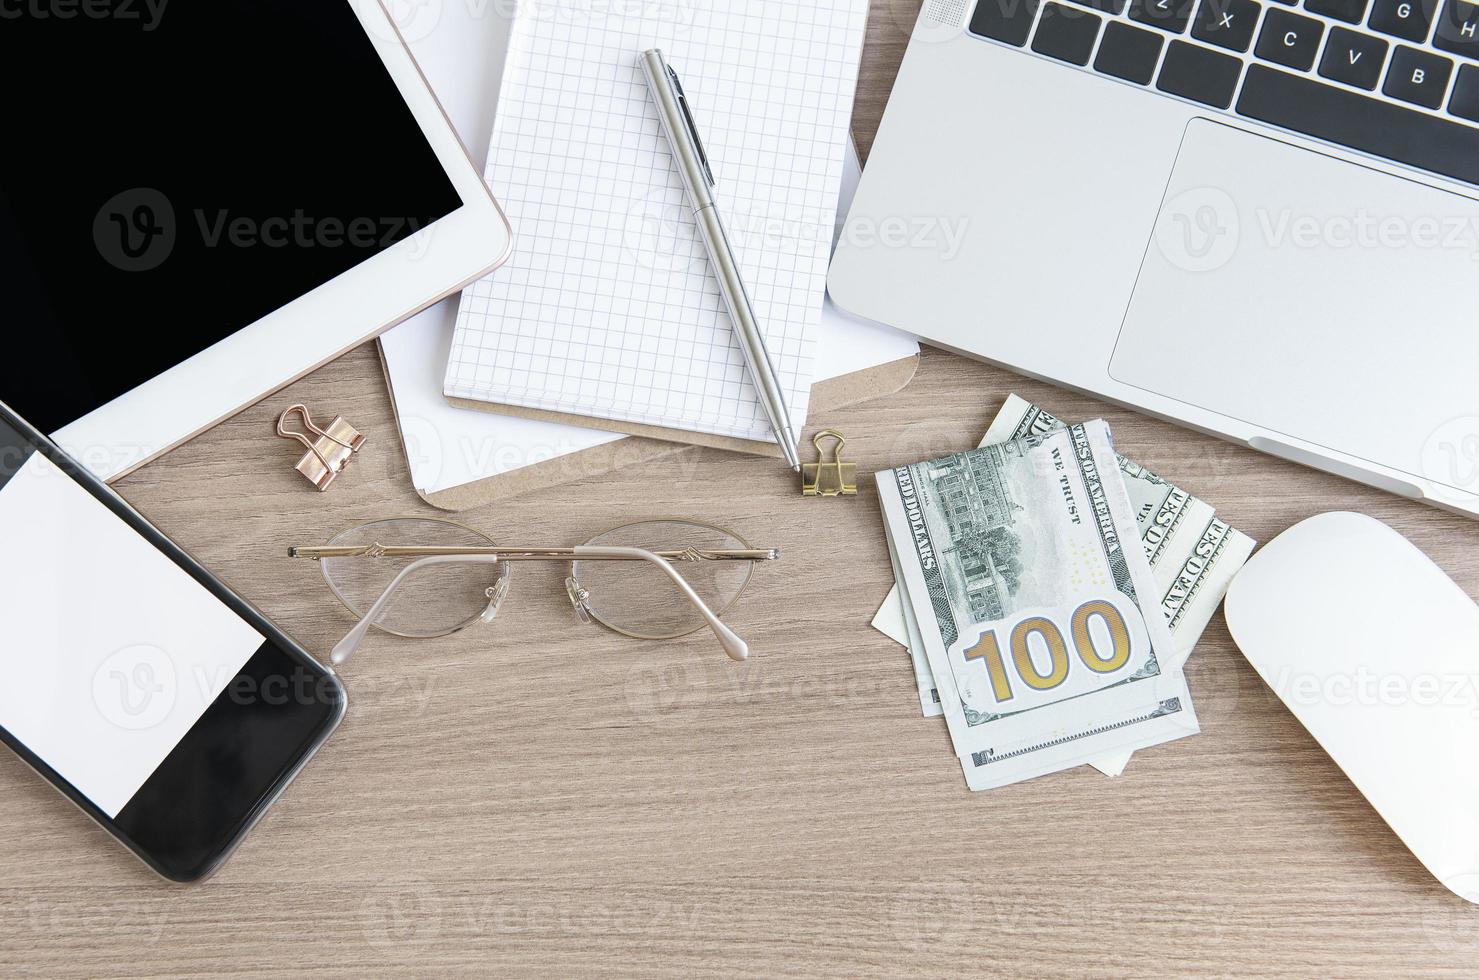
[[580, 599], [496, 593]]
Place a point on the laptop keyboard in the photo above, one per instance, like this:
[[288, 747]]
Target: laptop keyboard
[[1397, 79]]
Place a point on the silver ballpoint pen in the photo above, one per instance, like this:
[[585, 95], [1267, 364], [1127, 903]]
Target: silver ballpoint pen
[[698, 178]]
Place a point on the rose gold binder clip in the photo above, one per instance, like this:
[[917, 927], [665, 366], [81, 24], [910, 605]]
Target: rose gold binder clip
[[328, 451]]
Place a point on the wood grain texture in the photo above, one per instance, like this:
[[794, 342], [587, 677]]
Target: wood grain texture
[[540, 798]]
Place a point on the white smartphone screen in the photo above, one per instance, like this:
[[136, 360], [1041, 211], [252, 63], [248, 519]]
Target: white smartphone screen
[[112, 652]]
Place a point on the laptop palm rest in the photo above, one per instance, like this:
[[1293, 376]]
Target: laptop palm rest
[[1309, 296]]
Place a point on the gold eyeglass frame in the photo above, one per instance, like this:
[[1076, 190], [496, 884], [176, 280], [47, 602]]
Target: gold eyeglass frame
[[496, 553]]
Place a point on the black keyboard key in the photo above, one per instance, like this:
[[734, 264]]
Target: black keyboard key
[[1418, 77], [1354, 58], [1465, 101], [1407, 19], [1168, 15], [1289, 39], [1350, 11], [1458, 28], [1066, 33], [1004, 20], [1108, 6], [1226, 23], [1200, 74], [1128, 52], [1362, 123]]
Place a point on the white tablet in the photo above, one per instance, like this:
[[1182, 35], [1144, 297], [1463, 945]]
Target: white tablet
[[202, 202]]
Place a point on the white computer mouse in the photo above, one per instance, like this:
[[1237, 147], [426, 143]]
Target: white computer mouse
[[1376, 651]]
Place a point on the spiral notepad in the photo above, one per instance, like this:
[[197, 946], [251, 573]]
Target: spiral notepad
[[608, 310]]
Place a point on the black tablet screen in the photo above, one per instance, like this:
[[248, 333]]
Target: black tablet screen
[[174, 170]]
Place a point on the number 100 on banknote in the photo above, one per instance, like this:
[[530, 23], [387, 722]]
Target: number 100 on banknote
[[1048, 654]]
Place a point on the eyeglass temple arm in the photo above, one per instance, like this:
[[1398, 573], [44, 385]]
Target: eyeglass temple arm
[[735, 647], [345, 647]]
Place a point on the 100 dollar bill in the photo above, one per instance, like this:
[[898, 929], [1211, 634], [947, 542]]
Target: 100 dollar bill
[[1033, 599], [1193, 555]]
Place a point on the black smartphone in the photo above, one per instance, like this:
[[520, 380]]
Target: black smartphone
[[151, 695]]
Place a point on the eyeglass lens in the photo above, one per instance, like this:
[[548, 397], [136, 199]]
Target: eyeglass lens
[[432, 601], [638, 599]]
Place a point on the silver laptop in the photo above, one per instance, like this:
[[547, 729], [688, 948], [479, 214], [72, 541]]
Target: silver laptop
[[1258, 219]]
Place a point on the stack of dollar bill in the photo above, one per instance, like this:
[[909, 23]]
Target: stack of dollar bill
[[1049, 592]]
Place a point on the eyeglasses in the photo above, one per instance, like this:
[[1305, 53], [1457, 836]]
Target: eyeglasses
[[427, 577]]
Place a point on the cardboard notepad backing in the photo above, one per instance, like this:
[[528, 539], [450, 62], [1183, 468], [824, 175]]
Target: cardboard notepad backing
[[828, 395]]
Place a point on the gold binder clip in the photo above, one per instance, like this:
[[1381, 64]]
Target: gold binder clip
[[829, 477], [328, 452]]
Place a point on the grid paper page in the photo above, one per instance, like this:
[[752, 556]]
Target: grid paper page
[[608, 308]]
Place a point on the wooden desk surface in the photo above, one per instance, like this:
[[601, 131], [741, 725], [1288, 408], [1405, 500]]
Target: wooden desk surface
[[537, 797]]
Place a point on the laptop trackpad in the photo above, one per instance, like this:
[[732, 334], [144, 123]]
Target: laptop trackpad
[[1312, 297]]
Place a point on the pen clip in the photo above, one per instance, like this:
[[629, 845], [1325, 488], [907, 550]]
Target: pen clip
[[698, 144]]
